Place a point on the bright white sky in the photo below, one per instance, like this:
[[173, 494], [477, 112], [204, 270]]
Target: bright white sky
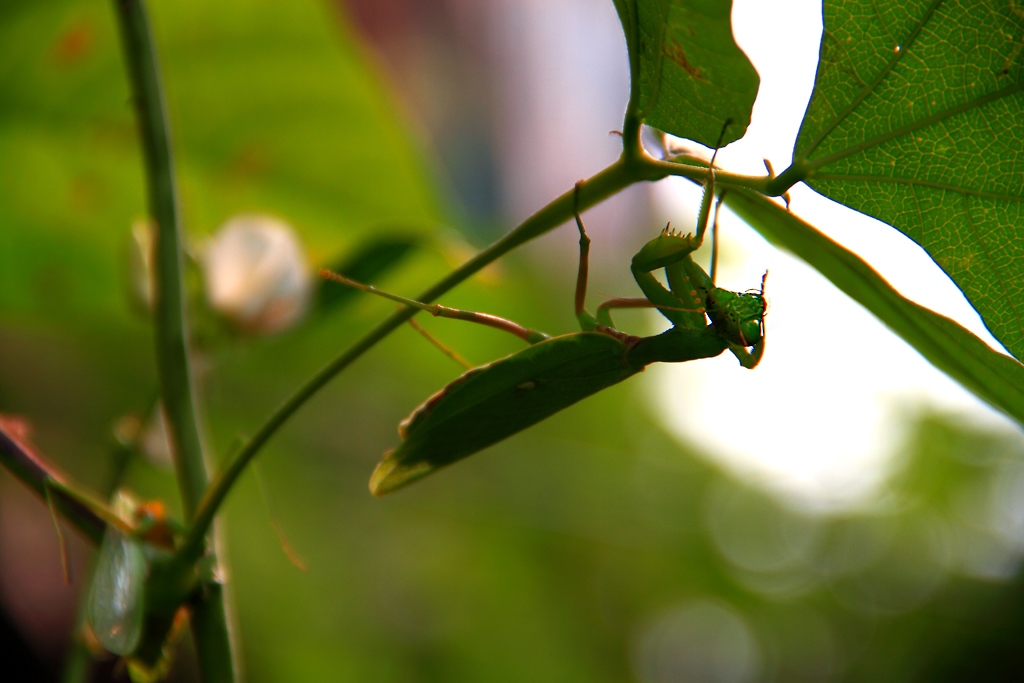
[[821, 417]]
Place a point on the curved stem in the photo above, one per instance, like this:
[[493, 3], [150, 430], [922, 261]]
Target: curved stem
[[611, 180], [633, 120], [37, 474], [213, 639], [656, 169]]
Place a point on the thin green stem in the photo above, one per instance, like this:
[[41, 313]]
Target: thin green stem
[[598, 188], [633, 120], [171, 329], [39, 475], [213, 640], [697, 171]]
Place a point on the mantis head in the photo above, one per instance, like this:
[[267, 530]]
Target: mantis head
[[738, 316]]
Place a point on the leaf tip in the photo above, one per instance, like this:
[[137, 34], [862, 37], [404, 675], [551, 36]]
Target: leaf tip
[[391, 474]]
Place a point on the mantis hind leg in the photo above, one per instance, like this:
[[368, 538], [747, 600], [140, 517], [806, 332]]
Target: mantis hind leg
[[524, 333], [439, 345], [604, 315], [586, 320]]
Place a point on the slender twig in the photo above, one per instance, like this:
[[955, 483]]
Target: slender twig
[[210, 621], [697, 170], [39, 475]]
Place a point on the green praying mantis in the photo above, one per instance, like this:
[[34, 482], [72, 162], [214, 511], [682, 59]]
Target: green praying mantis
[[494, 401]]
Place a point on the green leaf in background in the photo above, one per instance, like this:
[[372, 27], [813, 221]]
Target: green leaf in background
[[917, 119], [273, 109], [693, 76], [995, 378]]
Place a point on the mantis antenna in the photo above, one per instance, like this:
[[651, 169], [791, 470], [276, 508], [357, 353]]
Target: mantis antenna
[[65, 565], [287, 547]]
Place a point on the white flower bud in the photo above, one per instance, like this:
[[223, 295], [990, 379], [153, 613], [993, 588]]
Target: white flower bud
[[256, 274]]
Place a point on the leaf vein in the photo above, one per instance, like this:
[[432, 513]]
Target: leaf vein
[[870, 87], [919, 183], [917, 125]]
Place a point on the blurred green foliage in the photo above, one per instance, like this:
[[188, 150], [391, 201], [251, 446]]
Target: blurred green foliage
[[590, 548]]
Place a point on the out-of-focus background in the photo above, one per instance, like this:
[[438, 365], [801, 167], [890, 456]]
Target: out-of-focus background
[[842, 513]]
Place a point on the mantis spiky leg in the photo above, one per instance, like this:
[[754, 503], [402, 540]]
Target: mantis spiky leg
[[524, 333], [683, 305]]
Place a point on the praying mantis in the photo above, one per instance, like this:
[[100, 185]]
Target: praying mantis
[[494, 401]]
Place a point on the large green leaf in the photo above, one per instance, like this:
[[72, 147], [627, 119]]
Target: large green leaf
[[693, 77], [273, 109], [995, 378], [917, 118]]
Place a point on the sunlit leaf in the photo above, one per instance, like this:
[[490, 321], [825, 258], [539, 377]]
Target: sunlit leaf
[[917, 118], [995, 378], [693, 76], [273, 110]]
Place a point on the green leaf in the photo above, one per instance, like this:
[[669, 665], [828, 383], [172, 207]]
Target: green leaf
[[993, 377], [917, 119], [273, 110], [693, 76]]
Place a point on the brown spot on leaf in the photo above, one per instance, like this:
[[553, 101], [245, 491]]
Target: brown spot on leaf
[[674, 51]]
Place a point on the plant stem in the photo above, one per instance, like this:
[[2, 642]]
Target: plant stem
[[213, 640], [656, 169], [169, 302], [611, 180], [37, 474], [632, 123]]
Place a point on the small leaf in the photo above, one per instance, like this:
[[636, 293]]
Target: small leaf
[[917, 119], [693, 76], [116, 607], [993, 377]]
